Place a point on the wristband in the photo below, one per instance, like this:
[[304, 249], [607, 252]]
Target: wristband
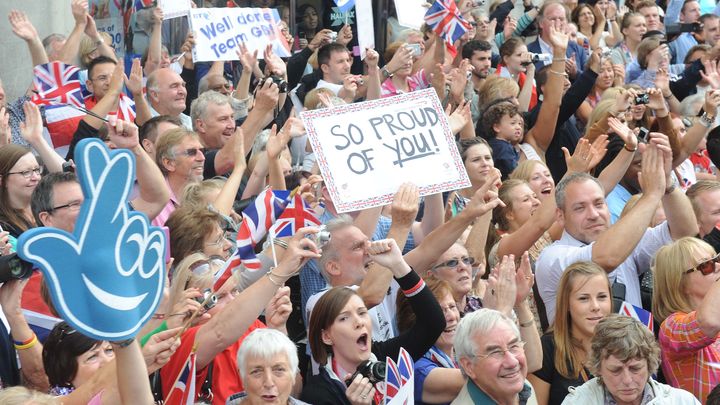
[[280, 242], [27, 344], [631, 150], [526, 324], [158, 316], [123, 343], [670, 189]]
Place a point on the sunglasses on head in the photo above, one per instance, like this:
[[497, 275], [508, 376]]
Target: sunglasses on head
[[707, 267]]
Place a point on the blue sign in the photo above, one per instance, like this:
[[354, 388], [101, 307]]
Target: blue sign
[[106, 278], [344, 5]]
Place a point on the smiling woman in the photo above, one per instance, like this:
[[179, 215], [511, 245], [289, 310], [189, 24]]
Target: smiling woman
[[584, 299], [20, 173]]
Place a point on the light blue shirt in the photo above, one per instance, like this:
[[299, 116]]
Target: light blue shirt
[[616, 201], [680, 47]]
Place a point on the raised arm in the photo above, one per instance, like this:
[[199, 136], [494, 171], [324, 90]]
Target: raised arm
[[404, 208], [433, 216], [109, 102], [614, 172], [274, 146], [153, 192], [439, 240], [69, 54], [230, 324], [154, 52], [31, 131], [616, 244], [541, 134], [373, 78], [23, 28], [92, 32], [132, 378], [698, 132], [135, 86], [225, 199], [680, 214]]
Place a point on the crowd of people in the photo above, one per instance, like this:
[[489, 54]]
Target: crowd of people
[[590, 136]]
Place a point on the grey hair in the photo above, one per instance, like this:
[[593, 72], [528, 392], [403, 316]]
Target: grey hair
[[329, 251], [626, 338], [480, 322], [21, 396], [260, 142], [203, 84], [541, 13], [199, 106], [48, 41], [572, 179], [266, 343], [691, 105]]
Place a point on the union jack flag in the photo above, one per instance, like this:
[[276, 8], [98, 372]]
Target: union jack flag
[[296, 215], [399, 380], [444, 18], [258, 217], [183, 391], [141, 4], [125, 111], [56, 83], [638, 313]]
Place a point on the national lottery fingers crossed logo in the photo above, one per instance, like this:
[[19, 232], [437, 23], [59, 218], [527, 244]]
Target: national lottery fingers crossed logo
[[107, 277]]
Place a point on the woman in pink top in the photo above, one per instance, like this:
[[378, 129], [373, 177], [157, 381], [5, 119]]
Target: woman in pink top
[[686, 299]]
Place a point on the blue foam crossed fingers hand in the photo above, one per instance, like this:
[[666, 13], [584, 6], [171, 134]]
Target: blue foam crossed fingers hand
[[107, 277]]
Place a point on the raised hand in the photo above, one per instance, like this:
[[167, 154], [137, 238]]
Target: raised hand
[[711, 74], [485, 198], [405, 204], [278, 309], [157, 15], [509, 27], [345, 35], [276, 142], [32, 129], [159, 348], [122, 134], [274, 64], [135, 82], [266, 97], [623, 131], [106, 278], [21, 25], [360, 391], [79, 11], [460, 117], [652, 177], [5, 131], [502, 287], [386, 253], [712, 100], [559, 39], [524, 279], [582, 159], [371, 57]]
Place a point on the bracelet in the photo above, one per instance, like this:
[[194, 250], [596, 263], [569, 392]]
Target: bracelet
[[526, 324], [270, 276], [558, 73], [670, 189], [707, 120], [668, 97], [27, 344], [630, 150], [559, 60], [158, 316], [280, 242]]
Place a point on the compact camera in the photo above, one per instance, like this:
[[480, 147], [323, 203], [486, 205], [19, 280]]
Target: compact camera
[[372, 370], [642, 98], [208, 300]]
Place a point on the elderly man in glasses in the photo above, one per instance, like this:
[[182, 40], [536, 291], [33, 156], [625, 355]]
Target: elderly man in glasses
[[491, 354]]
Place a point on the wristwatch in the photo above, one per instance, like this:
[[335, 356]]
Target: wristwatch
[[707, 120], [385, 72]]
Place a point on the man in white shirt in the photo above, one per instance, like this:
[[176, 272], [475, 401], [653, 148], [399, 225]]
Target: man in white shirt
[[625, 249], [167, 95]]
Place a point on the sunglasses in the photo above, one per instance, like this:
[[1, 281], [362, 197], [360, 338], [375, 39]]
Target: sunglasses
[[707, 267], [192, 152], [452, 263]]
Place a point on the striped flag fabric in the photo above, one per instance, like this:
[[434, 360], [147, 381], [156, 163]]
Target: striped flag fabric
[[56, 83], [258, 217], [296, 215], [638, 313], [183, 391], [400, 380], [444, 18]]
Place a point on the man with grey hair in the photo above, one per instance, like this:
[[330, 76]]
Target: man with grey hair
[[166, 94], [491, 354], [551, 13], [53, 45], [213, 119], [625, 249]]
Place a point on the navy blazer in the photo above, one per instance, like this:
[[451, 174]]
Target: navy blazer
[[581, 56]]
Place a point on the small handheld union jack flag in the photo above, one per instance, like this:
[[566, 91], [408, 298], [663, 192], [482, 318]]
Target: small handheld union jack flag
[[444, 18]]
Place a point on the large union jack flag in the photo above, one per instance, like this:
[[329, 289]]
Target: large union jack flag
[[183, 391], [444, 18], [56, 83]]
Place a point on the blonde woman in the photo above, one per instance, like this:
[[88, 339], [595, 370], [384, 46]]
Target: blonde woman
[[686, 301]]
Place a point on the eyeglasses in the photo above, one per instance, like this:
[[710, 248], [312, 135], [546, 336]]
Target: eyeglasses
[[515, 349], [28, 173], [102, 79], [707, 267], [192, 152], [73, 206], [219, 242], [452, 263]]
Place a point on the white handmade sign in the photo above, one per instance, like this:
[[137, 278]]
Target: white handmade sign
[[219, 31], [366, 150], [174, 8]]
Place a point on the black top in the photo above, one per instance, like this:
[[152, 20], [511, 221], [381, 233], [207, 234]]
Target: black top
[[321, 389], [566, 134], [558, 384], [9, 373]]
